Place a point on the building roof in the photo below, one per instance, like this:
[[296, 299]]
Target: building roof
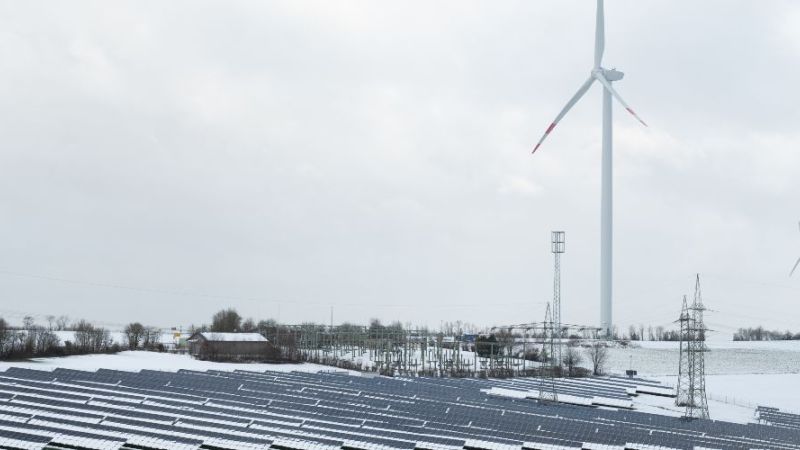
[[230, 337]]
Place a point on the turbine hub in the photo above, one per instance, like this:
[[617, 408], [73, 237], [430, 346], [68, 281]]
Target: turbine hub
[[612, 74]]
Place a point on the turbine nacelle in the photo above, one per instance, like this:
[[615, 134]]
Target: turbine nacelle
[[610, 74]]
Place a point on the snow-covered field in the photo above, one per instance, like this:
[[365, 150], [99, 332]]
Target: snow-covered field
[[739, 375], [723, 358], [738, 395], [140, 360]]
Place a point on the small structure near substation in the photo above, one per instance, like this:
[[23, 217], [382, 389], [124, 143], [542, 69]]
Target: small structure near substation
[[229, 346]]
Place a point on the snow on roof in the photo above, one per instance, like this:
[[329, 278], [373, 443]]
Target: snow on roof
[[233, 337]]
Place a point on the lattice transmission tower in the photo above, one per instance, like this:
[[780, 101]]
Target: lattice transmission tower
[[683, 363], [557, 247], [547, 381], [691, 370]]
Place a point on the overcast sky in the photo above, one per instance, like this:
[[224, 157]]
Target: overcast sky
[[161, 160]]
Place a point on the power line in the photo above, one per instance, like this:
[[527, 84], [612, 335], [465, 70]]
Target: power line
[[172, 292]]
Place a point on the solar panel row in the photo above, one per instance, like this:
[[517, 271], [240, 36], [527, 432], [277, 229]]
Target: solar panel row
[[188, 410]]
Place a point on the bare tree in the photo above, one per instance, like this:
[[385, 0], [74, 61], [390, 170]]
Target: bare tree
[[5, 336], [598, 355], [89, 338], [249, 326], [151, 337], [505, 341], [61, 323], [226, 321], [46, 342], [83, 335], [572, 359], [31, 332], [134, 332]]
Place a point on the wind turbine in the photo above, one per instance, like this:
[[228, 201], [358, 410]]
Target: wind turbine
[[605, 77], [795, 265]]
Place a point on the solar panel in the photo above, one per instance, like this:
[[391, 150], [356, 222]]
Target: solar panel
[[246, 409]]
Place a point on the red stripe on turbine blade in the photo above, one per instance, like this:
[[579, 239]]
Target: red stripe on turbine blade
[[546, 132], [637, 117]]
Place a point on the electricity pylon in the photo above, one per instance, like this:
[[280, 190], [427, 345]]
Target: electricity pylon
[[692, 369], [547, 381]]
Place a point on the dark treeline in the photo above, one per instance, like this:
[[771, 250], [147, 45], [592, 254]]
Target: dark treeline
[[139, 336], [290, 342], [651, 333], [760, 334], [395, 348], [32, 339]]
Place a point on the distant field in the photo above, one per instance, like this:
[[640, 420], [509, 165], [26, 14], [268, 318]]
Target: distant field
[[138, 360], [723, 358]]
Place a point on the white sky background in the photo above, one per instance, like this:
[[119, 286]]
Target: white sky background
[[375, 156]]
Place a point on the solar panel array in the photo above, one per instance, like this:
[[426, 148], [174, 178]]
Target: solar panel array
[[775, 417], [110, 409]]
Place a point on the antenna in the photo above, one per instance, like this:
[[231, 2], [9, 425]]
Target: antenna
[[557, 247]]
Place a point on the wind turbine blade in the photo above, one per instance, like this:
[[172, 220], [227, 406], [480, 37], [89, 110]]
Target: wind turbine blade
[[795, 267], [599, 36], [584, 87], [616, 95]]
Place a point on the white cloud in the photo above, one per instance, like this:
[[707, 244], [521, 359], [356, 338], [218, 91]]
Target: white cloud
[[517, 185], [370, 155]]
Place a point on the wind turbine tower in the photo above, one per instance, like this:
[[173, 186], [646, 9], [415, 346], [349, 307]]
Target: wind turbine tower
[[605, 77], [795, 267]]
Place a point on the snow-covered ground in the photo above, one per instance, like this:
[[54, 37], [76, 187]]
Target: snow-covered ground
[[168, 338], [716, 344], [739, 375], [140, 360], [739, 394], [723, 358]]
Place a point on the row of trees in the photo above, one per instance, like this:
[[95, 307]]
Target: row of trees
[[54, 339], [639, 333], [760, 334], [290, 340], [140, 336], [33, 339], [596, 353], [15, 343]]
